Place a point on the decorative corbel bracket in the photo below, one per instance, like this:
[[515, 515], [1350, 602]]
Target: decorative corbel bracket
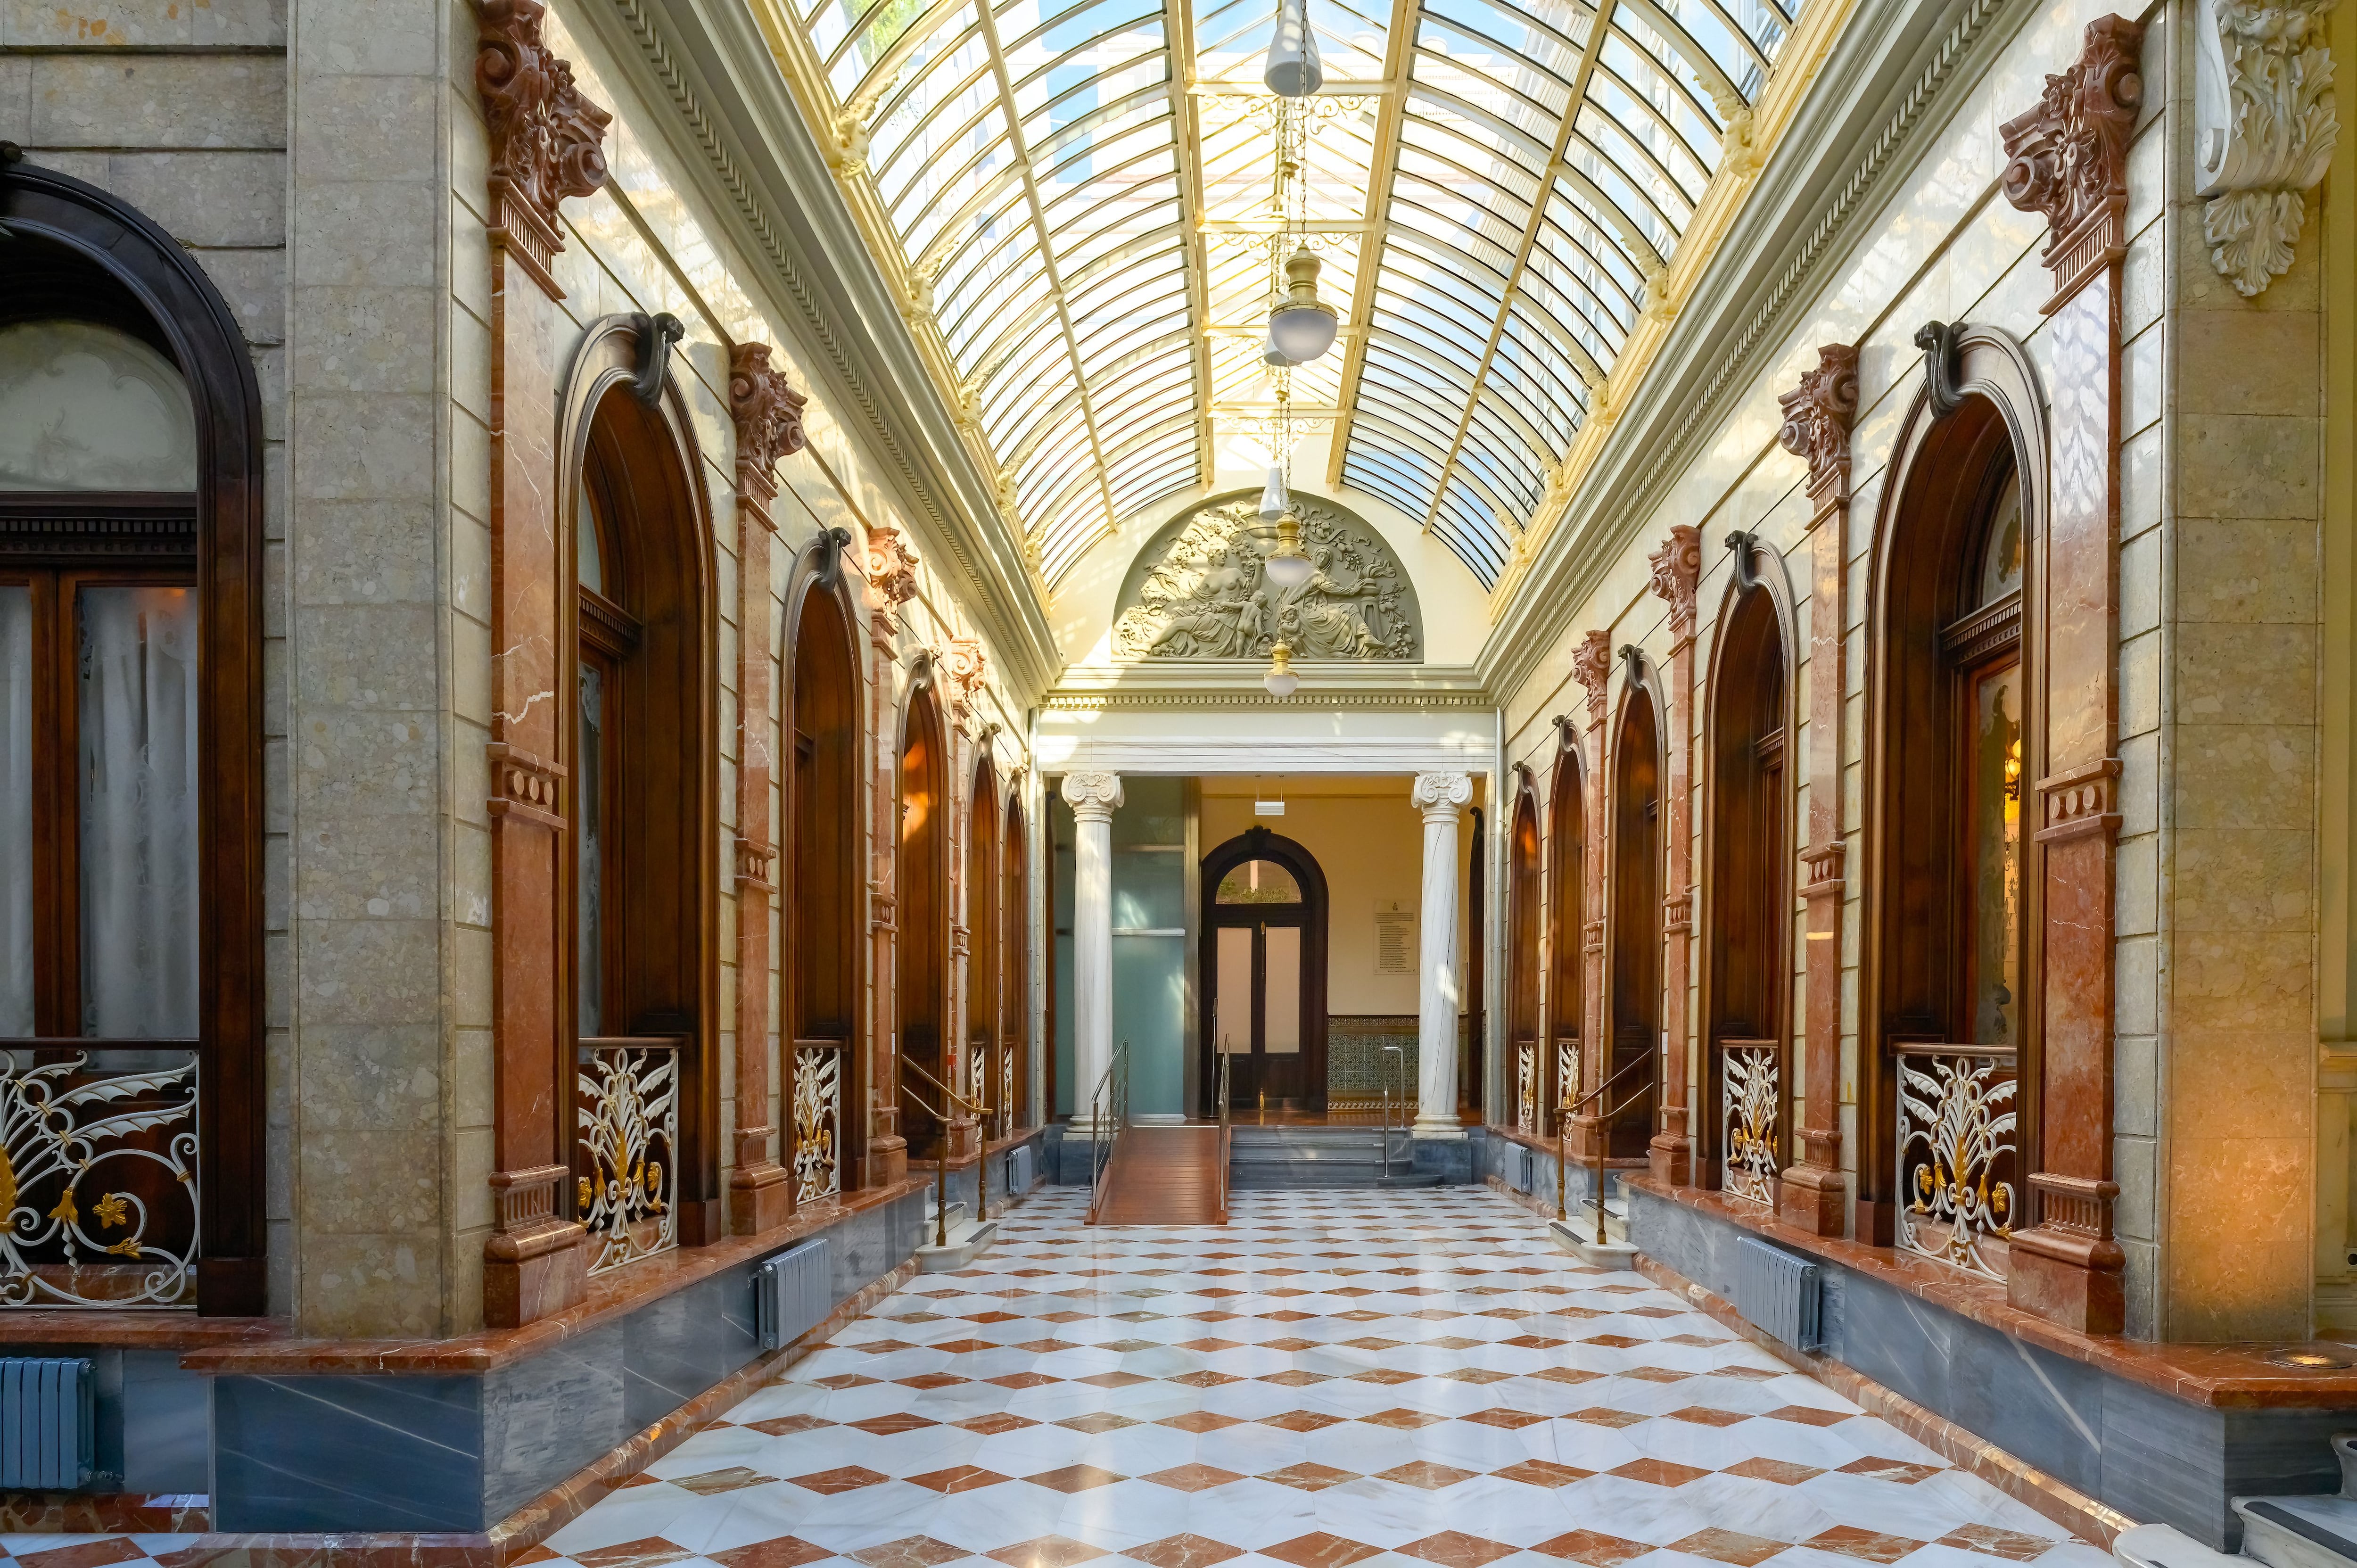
[[545, 137], [2068, 158], [1676, 574], [657, 336], [1591, 666], [831, 546], [2264, 127], [1943, 365], [1740, 544]]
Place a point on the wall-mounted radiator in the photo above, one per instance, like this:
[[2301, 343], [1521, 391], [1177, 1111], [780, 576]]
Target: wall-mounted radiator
[[1516, 1168], [1018, 1171], [1778, 1291], [47, 1421], [791, 1294]]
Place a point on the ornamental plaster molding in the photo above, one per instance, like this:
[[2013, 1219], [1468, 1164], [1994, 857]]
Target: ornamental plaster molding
[[1591, 666], [964, 664], [767, 409], [891, 572], [2264, 126], [1676, 574], [2068, 158], [1436, 794], [545, 137], [1092, 795], [1203, 592], [1817, 418]]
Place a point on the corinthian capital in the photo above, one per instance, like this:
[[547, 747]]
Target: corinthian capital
[[1591, 666], [1818, 415], [1677, 572], [2068, 158], [2264, 128], [767, 409], [1092, 796], [545, 137], [1441, 792]]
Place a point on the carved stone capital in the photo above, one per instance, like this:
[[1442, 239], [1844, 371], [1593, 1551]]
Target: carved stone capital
[[1677, 914], [2068, 158], [2082, 801], [964, 665], [768, 412], [1676, 572], [1092, 796], [2264, 128], [1817, 416], [1591, 666], [891, 572], [546, 136], [1435, 794]]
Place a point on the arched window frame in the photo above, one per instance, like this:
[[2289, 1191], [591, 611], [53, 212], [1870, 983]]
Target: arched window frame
[[1015, 969], [1633, 921], [1526, 1055], [921, 881], [1566, 917], [1739, 791], [180, 306], [983, 931], [1946, 474], [667, 773]]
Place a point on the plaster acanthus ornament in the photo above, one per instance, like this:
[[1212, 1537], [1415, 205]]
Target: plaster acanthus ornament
[[1092, 794], [1677, 572], [891, 571], [964, 664], [2265, 129], [1818, 415], [847, 151], [1435, 793], [2068, 158], [545, 137], [767, 409], [1739, 156], [1208, 597], [1591, 666], [1657, 304]]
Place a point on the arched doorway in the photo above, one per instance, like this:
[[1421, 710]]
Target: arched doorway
[[1635, 937], [1525, 1061], [921, 989], [1748, 957], [982, 923], [1566, 906], [1015, 970], [1264, 974], [643, 764], [826, 1072]]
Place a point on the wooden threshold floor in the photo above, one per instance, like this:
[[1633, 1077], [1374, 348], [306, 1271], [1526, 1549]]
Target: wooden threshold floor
[[1166, 1176]]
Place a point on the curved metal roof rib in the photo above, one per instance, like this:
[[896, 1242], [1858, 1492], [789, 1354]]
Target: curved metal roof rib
[[1081, 201]]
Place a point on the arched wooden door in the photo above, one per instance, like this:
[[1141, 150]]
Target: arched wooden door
[[1264, 972], [1635, 937], [827, 1071], [922, 992]]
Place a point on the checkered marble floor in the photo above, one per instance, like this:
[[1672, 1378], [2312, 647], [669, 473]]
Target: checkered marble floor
[[1333, 1379]]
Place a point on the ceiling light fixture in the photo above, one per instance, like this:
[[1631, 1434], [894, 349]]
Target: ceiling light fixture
[[1280, 679], [1293, 70], [1302, 326]]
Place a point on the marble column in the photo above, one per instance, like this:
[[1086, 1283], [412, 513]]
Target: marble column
[[1094, 797], [1442, 797]]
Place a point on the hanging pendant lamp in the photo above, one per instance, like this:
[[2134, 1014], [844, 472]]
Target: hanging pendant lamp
[[1302, 327], [1293, 68]]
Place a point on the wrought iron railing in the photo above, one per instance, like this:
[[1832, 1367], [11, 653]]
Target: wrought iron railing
[[1957, 1161], [1750, 1108], [820, 1067], [1108, 1120], [1526, 1085], [1007, 1112], [627, 1150], [98, 1174]]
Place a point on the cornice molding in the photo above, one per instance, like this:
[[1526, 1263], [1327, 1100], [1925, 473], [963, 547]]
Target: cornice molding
[[674, 49], [1617, 497]]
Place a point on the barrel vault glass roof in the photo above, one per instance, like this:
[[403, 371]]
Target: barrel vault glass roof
[[1082, 198]]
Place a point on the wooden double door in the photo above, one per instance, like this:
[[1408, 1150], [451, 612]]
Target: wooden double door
[[1263, 974]]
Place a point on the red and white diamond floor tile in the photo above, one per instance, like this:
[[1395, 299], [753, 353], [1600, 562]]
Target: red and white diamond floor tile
[[1334, 1379]]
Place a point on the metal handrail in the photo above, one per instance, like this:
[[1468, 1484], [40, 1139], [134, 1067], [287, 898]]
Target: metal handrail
[[941, 1166], [981, 1175], [1386, 1122], [1563, 1135], [1112, 1094], [1225, 1060]]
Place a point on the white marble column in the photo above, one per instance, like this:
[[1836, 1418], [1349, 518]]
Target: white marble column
[[1092, 797], [1441, 797]]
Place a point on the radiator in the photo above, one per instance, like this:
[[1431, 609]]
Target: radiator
[[47, 1422], [791, 1294], [1018, 1171], [1778, 1291], [1517, 1171]]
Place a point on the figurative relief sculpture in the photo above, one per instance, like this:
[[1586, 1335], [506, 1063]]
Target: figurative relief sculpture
[[1208, 595]]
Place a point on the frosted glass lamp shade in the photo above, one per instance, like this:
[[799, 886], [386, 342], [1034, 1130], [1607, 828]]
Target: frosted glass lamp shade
[[1280, 679], [1273, 497], [1303, 327], [1293, 70], [1286, 566]]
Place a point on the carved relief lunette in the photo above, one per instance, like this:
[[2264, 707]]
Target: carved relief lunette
[[543, 146], [1591, 666], [2069, 162], [767, 412], [2264, 128], [1818, 414], [1676, 574]]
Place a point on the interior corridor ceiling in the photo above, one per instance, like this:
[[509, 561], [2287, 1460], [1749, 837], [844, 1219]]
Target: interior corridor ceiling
[[1079, 203]]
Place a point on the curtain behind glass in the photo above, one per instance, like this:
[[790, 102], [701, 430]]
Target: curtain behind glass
[[138, 849], [16, 811]]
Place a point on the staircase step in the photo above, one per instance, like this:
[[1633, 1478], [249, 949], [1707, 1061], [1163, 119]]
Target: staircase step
[[2162, 1546], [2299, 1533]]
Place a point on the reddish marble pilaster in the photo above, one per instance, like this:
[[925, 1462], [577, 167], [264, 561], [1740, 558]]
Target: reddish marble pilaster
[[1591, 666], [1677, 573], [2068, 160], [890, 571], [1817, 416], [767, 412], [544, 145]]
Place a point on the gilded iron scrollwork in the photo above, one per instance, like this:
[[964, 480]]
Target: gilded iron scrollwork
[[1957, 1154], [1750, 1095], [98, 1180], [818, 1121], [629, 1120]]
